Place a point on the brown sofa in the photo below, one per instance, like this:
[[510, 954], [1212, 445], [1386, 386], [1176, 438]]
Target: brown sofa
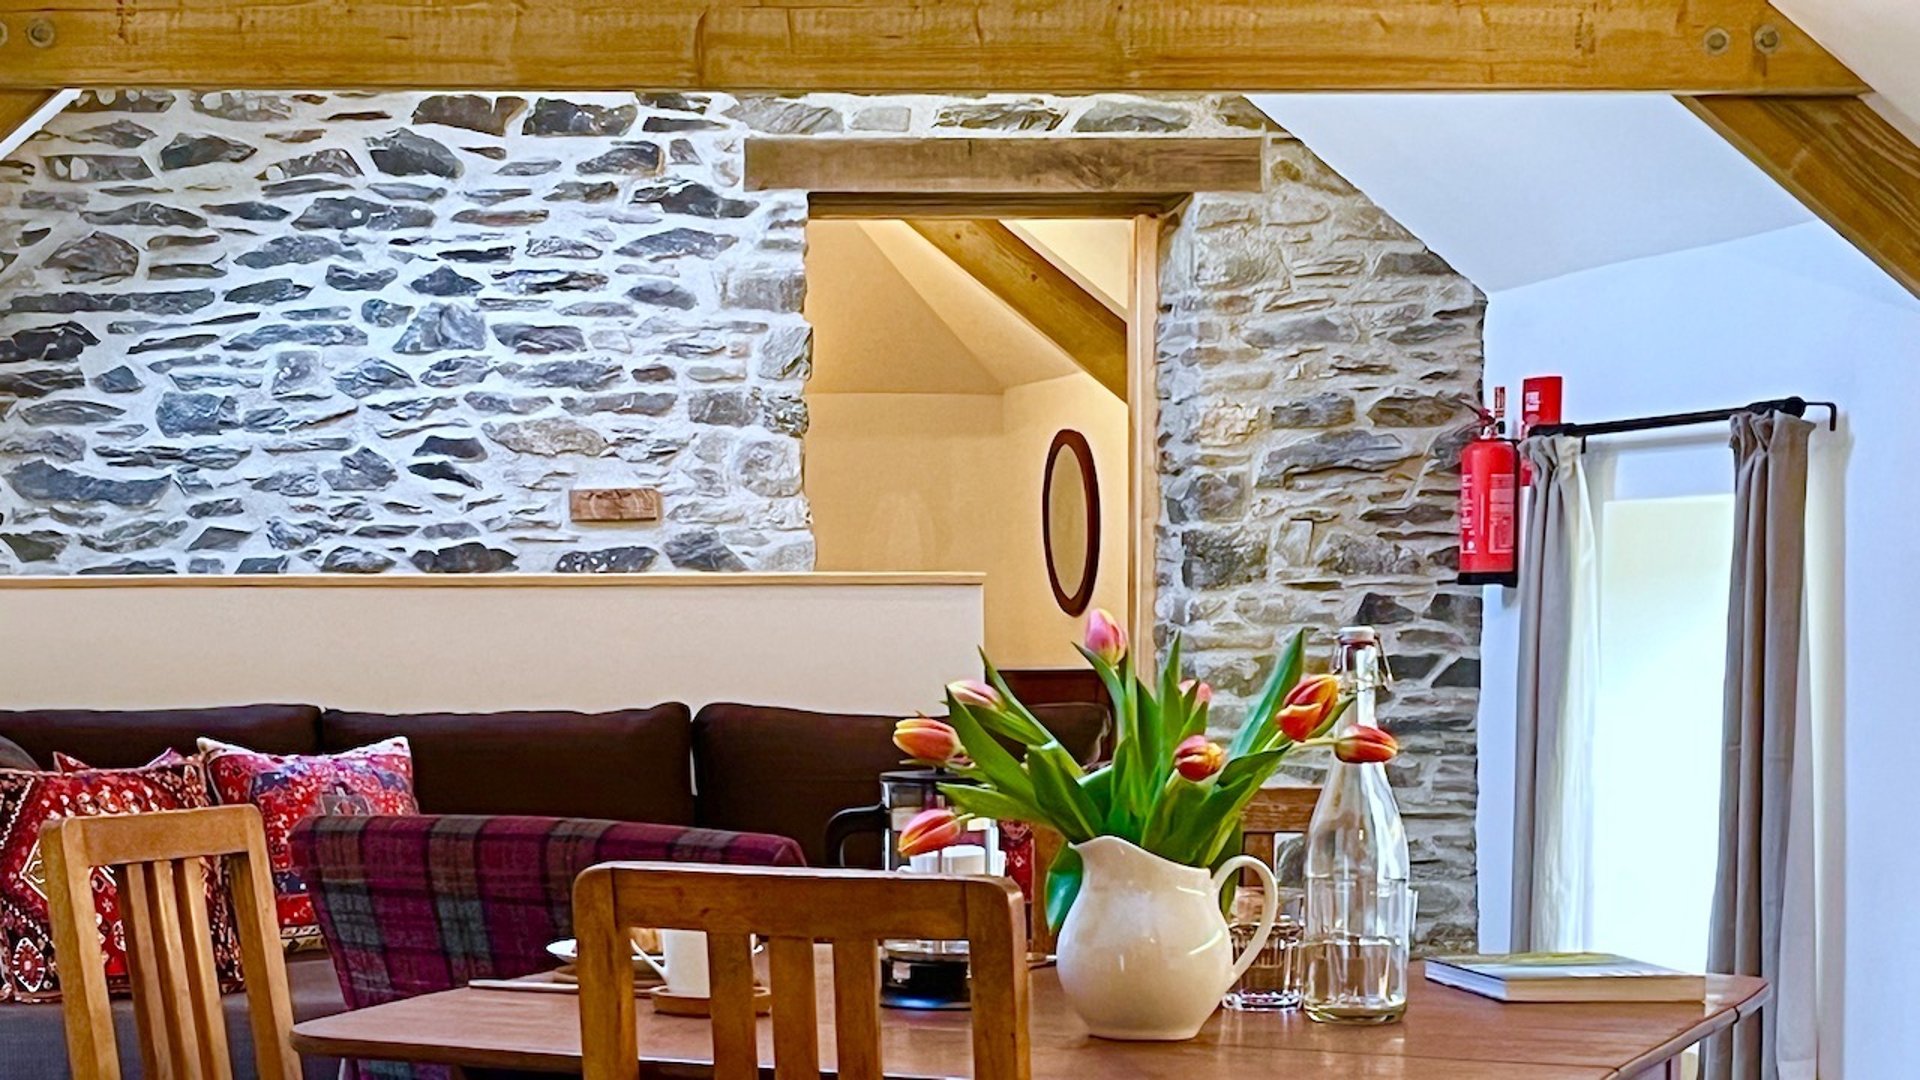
[[739, 767]]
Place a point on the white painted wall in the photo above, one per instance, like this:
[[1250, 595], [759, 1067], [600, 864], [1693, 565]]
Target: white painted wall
[[1517, 188], [1795, 311], [522, 641]]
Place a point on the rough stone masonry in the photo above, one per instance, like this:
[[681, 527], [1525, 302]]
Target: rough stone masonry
[[247, 332]]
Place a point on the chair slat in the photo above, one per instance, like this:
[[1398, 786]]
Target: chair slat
[[155, 906], [91, 1051], [144, 973], [796, 1009], [197, 962], [856, 1009], [736, 1044], [262, 961]]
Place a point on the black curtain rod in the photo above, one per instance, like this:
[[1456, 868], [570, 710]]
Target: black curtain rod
[[1792, 406]]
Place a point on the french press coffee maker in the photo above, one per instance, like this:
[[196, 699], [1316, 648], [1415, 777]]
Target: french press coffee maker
[[919, 973]]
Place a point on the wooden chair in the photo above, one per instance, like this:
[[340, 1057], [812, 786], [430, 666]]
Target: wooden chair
[[851, 909], [163, 903], [1273, 813]]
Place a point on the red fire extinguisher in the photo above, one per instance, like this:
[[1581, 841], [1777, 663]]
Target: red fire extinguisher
[[1489, 504]]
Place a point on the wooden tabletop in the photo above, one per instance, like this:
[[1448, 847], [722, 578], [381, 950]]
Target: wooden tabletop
[[1447, 1035]]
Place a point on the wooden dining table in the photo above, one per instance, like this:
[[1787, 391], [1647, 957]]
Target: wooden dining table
[[1446, 1035]]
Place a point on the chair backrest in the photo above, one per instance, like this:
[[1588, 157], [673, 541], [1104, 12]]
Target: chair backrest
[[853, 910], [1273, 813], [161, 861]]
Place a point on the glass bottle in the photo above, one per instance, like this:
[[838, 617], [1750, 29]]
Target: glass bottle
[[1359, 902]]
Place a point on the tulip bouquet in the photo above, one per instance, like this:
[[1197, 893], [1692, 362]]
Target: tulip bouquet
[[1169, 789]]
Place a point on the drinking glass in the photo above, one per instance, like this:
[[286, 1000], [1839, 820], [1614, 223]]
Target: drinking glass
[[1272, 983]]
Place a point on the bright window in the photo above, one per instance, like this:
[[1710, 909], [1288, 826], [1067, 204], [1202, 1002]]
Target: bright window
[[1664, 566]]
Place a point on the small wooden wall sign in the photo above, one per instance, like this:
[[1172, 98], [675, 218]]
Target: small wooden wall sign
[[614, 504]]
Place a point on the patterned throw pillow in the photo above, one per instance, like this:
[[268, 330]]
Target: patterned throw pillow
[[289, 788], [29, 800], [66, 763]]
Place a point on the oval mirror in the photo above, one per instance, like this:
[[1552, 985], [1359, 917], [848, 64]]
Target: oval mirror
[[1070, 521]]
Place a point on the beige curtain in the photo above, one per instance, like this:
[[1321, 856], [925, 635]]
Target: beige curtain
[[1763, 897], [1553, 728]]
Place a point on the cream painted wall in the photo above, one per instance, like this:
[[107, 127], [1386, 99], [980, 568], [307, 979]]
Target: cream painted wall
[[488, 643], [897, 481], [1034, 632], [877, 332], [936, 482]]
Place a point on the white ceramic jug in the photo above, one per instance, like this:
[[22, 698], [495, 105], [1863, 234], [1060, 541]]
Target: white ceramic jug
[[1145, 952]]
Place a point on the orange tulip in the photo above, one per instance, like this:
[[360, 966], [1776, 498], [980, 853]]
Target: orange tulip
[[1308, 708], [1198, 758], [975, 694], [1105, 639], [1365, 745], [925, 739], [931, 830]]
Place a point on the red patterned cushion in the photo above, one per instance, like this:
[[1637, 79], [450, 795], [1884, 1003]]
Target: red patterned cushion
[[371, 781], [66, 763], [28, 801]]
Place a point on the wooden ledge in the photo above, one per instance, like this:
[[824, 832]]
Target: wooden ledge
[[498, 581]]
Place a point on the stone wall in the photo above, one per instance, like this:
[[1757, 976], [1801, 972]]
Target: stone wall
[[352, 332], [1317, 371], [348, 332]]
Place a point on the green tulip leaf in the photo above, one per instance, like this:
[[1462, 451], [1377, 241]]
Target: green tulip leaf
[[1016, 722], [1063, 886], [989, 803], [1069, 809], [1258, 728], [992, 760]]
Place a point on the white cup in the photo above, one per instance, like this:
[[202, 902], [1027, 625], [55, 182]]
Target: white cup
[[685, 953]]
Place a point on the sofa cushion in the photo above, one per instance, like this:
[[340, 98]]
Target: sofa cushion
[[125, 738], [630, 765], [33, 1037], [287, 789], [31, 800], [787, 771]]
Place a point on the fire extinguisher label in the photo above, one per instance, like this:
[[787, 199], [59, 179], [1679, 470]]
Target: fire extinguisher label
[[1500, 507], [1469, 515]]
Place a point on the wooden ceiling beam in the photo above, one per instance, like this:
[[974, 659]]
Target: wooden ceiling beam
[[1084, 327], [21, 114], [962, 171], [1065, 46], [1852, 168]]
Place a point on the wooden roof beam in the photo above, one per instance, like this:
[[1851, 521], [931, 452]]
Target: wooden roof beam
[[1852, 168], [974, 178], [22, 112], [1083, 325], [1066, 46]]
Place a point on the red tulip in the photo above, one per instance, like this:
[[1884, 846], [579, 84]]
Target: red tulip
[[931, 830], [1307, 709], [1365, 745], [975, 694], [1202, 693], [925, 739], [1105, 639], [1198, 758]]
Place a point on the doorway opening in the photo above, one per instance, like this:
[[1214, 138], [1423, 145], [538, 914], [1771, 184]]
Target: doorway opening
[[951, 359]]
